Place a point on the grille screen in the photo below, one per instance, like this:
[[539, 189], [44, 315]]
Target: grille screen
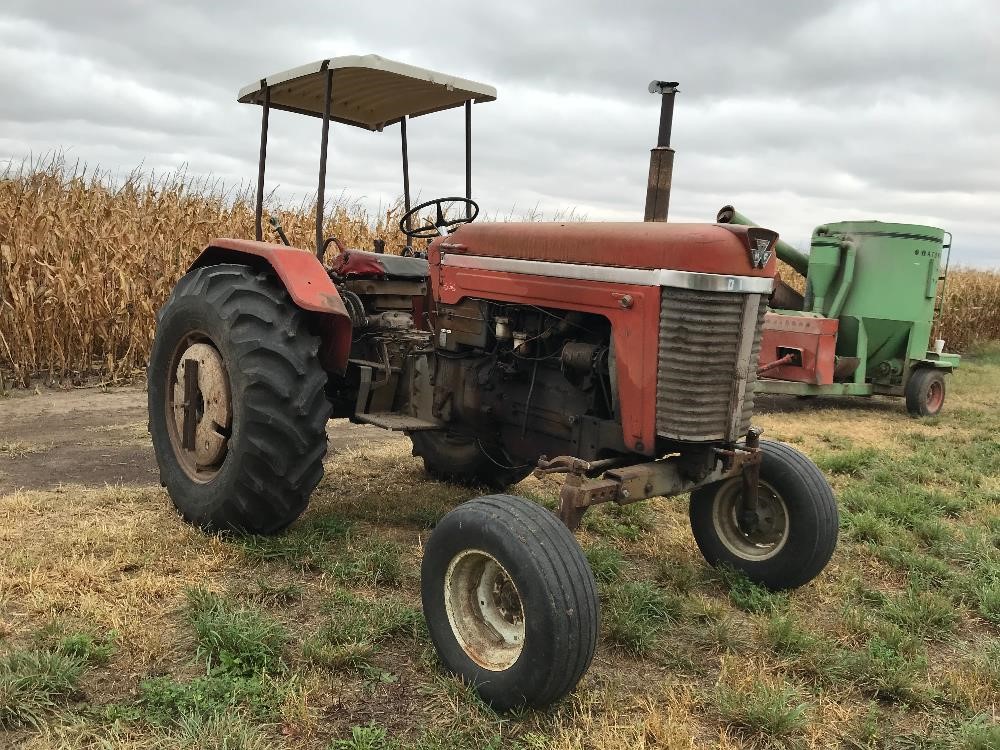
[[699, 393]]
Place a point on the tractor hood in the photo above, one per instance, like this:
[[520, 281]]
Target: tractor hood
[[701, 248]]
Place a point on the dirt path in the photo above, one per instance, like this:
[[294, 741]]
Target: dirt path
[[94, 437]]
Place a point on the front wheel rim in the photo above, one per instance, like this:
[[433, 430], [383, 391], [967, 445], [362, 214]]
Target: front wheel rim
[[770, 533], [484, 609]]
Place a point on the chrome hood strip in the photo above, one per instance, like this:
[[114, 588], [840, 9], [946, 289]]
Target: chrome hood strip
[[704, 282]]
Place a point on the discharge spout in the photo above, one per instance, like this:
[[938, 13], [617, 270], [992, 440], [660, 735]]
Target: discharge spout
[[797, 260]]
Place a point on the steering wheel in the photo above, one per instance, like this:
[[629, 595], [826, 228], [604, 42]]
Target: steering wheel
[[440, 225]]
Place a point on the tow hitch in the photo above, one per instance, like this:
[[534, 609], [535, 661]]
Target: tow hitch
[[661, 478]]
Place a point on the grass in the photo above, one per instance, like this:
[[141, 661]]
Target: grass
[[121, 627], [763, 711]]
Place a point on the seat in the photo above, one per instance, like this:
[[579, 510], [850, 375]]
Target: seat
[[360, 264]]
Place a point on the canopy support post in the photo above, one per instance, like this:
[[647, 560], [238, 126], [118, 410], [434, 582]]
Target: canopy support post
[[262, 160], [406, 170], [468, 157], [324, 141]]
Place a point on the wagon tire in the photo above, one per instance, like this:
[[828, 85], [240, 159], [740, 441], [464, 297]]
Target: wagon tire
[[464, 460], [259, 376], [510, 601], [925, 392], [795, 533]]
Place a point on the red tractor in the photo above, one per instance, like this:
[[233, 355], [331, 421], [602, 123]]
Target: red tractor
[[621, 355]]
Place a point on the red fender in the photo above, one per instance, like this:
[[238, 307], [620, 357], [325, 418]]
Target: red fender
[[307, 283]]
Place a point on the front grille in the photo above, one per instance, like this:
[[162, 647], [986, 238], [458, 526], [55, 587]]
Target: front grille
[[707, 363]]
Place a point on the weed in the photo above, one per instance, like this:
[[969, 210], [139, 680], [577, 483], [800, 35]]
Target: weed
[[306, 546], [621, 522], [885, 668], [369, 737], [378, 561], [763, 710], [163, 700], [34, 683], [783, 634], [978, 733], [268, 592], [922, 613], [606, 562], [232, 639], [852, 462], [987, 594], [356, 627], [219, 731], [866, 527], [635, 615], [750, 596]]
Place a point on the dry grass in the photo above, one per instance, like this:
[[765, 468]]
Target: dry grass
[[87, 260], [892, 647]]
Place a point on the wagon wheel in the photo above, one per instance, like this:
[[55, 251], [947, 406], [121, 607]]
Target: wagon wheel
[[925, 392]]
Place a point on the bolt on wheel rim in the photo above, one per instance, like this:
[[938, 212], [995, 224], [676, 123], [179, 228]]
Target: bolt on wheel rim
[[484, 609], [210, 411], [765, 537]]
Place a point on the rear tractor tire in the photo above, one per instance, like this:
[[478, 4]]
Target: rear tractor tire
[[510, 601], [465, 460], [795, 530], [925, 392], [254, 452]]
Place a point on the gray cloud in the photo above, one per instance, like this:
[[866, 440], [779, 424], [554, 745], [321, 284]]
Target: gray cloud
[[800, 113]]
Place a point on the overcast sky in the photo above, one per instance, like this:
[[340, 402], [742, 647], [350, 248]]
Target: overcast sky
[[797, 112]]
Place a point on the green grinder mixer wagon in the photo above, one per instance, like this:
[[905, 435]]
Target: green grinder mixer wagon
[[872, 300]]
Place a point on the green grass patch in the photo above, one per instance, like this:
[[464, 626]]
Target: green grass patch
[[305, 546], [749, 596], [605, 561], [375, 562], [163, 701], [233, 639], [921, 613], [620, 522], [636, 614], [356, 626], [35, 683], [764, 711]]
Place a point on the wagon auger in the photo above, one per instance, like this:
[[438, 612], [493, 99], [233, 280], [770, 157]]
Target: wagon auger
[[622, 355]]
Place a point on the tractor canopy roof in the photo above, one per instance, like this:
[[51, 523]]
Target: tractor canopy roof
[[367, 91]]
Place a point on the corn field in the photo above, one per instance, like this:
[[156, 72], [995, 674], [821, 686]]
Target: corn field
[[86, 261]]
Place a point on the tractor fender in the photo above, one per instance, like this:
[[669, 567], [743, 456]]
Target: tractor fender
[[307, 283]]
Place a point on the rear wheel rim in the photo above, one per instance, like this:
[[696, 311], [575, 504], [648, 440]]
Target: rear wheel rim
[[769, 534], [211, 410], [935, 396], [484, 609]]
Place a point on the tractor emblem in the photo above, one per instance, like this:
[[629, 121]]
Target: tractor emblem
[[760, 252]]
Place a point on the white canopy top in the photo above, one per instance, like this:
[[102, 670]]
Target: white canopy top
[[368, 91]]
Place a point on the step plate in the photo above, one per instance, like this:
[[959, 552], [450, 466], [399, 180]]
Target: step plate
[[397, 422]]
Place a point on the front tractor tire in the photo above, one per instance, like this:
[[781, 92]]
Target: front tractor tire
[[793, 534], [240, 439], [510, 601]]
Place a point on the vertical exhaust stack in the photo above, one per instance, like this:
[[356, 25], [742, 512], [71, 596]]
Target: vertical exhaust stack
[[661, 158]]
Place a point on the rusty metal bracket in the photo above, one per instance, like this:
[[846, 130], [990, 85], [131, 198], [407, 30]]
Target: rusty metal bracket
[[661, 478], [190, 430], [750, 475]]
